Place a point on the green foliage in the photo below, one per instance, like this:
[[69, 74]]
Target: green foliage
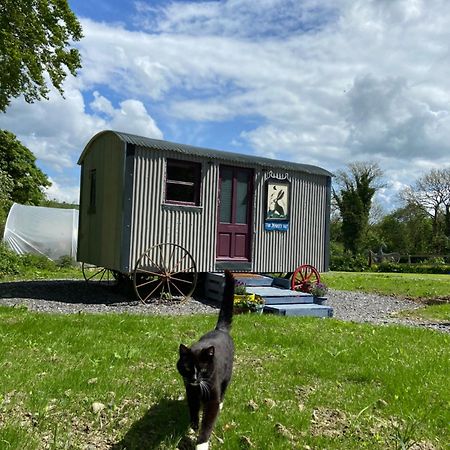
[[9, 261], [35, 40], [354, 197], [407, 230], [35, 267], [19, 163], [65, 262], [356, 386], [348, 262], [57, 204], [38, 262], [6, 187]]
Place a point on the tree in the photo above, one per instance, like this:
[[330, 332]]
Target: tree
[[356, 188], [19, 164], [35, 40], [6, 186], [407, 230], [431, 193]]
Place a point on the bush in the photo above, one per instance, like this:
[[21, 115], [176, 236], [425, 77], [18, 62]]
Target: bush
[[9, 261], [13, 264], [64, 262], [37, 262], [349, 263]]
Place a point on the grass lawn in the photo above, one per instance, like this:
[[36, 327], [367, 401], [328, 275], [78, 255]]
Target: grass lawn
[[414, 286], [297, 383], [438, 313]]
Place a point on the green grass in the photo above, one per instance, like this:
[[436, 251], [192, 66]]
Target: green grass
[[298, 382], [415, 286], [437, 313], [43, 273]]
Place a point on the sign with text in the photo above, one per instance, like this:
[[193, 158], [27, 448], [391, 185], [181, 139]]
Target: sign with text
[[276, 226], [277, 204]]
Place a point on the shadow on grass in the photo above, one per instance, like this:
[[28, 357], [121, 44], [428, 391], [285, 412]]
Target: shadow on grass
[[167, 422]]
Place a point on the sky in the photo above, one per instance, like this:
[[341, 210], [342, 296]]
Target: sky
[[323, 82]]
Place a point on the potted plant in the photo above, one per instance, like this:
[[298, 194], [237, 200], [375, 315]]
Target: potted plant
[[245, 302], [319, 291]]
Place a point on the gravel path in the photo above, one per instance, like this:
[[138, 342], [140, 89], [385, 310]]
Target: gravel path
[[75, 296]]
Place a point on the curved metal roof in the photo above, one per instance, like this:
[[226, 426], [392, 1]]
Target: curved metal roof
[[158, 144]]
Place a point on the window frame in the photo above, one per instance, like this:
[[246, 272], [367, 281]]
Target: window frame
[[196, 184], [92, 191]]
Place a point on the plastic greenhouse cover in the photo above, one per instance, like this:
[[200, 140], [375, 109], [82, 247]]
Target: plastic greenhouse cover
[[52, 232]]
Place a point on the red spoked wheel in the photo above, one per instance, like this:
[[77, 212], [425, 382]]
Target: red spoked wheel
[[304, 278]]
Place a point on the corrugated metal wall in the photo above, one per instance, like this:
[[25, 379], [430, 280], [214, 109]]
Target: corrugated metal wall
[[153, 222], [305, 241], [195, 228]]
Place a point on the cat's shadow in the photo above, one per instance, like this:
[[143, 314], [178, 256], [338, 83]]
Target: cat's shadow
[[166, 422]]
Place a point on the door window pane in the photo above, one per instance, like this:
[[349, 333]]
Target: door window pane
[[226, 191], [242, 197]]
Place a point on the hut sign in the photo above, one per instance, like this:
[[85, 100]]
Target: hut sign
[[277, 204]]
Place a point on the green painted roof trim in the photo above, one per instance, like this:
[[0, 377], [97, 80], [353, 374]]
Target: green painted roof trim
[[158, 144]]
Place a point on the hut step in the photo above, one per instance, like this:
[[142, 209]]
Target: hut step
[[310, 310], [280, 296]]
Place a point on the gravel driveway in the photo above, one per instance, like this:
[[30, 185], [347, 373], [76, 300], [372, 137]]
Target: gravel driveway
[[74, 296]]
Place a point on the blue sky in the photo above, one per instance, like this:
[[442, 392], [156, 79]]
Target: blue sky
[[324, 82]]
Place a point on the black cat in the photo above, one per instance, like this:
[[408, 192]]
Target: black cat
[[206, 368]]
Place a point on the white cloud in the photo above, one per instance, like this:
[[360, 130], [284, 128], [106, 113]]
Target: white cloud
[[57, 130], [63, 193], [320, 82]]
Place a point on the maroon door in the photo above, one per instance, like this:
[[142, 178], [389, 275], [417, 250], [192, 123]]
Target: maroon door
[[235, 212]]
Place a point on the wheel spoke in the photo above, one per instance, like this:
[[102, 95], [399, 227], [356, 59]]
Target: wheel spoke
[[171, 256], [161, 265], [156, 274], [180, 279], [151, 293], [95, 274], [178, 289], [153, 263], [147, 283], [168, 288], [174, 270], [184, 271], [163, 259]]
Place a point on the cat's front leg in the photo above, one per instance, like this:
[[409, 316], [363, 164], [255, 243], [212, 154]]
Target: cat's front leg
[[210, 413], [194, 408]]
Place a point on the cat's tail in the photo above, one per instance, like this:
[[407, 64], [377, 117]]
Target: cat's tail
[[226, 309]]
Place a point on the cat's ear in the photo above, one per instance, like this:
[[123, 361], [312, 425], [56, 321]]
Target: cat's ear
[[208, 353], [183, 350]]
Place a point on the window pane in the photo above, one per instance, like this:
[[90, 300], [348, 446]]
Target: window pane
[[242, 197], [93, 190], [183, 181], [177, 170], [226, 190], [180, 193]]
